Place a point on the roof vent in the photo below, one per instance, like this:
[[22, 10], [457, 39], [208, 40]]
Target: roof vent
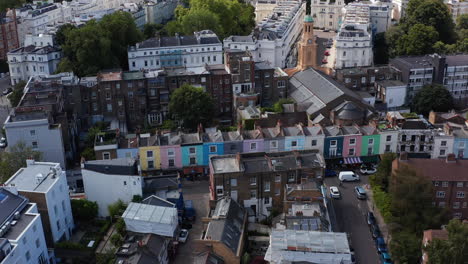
[[39, 178]]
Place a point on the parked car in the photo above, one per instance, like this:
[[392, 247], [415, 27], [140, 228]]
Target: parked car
[[385, 258], [370, 218], [367, 169], [330, 173], [183, 235], [348, 176], [3, 142], [7, 91], [380, 244], [326, 30], [375, 231], [360, 192], [326, 53], [335, 192]]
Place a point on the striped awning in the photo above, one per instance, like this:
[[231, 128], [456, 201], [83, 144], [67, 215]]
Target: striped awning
[[352, 160]]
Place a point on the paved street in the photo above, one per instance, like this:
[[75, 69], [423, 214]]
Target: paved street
[[350, 215], [198, 192]]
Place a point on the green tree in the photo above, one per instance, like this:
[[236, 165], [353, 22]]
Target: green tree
[[462, 21], [84, 210], [116, 209], [393, 38], [192, 106], [454, 249], [380, 49], [99, 45], [432, 97], [5, 4], [199, 19], [384, 171], [419, 40], [17, 94], [150, 30], [15, 159], [88, 154], [278, 106], [116, 240], [436, 14], [406, 247], [4, 66], [137, 198], [61, 35], [120, 227]]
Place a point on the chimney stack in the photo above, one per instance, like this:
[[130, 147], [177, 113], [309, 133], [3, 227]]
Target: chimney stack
[[451, 158]]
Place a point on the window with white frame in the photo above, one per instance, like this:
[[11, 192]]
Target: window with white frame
[[219, 190], [333, 143], [212, 149], [277, 191], [253, 194], [436, 183], [456, 205], [352, 141], [389, 138], [370, 141], [150, 164], [314, 142], [267, 186], [459, 184], [171, 162], [193, 161], [253, 180], [106, 156], [274, 144], [460, 194], [149, 154], [233, 182], [457, 215], [294, 143], [192, 151], [461, 144], [253, 146], [443, 143], [278, 178], [351, 152], [442, 152], [170, 152], [464, 205], [440, 194], [445, 184], [291, 177], [266, 200]]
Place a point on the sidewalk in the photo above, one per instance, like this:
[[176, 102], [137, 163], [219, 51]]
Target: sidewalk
[[380, 221], [105, 245]]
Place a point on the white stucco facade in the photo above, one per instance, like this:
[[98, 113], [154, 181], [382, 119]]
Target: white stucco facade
[[106, 189], [274, 38], [388, 141], [327, 14], [443, 145]]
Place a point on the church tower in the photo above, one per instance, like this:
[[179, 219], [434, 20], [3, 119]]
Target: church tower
[[307, 47]]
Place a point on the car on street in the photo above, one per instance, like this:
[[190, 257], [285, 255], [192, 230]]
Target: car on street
[[335, 192], [367, 169], [348, 176], [326, 30], [330, 173], [380, 244], [7, 91], [375, 231], [3, 142], [370, 218], [385, 258], [183, 235], [360, 192]]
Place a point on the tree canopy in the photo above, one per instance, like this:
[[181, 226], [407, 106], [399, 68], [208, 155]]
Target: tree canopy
[[427, 27], [15, 159], [192, 106], [5, 4], [432, 97], [453, 250], [224, 17], [98, 45], [84, 210], [17, 94]]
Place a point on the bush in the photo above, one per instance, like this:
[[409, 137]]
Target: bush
[[383, 202], [116, 240], [278, 106], [84, 210], [106, 225], [120, 227]]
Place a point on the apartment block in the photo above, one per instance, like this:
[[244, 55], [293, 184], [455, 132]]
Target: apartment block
[[45, 183], [257, 180], [8, 33], [327, 13]]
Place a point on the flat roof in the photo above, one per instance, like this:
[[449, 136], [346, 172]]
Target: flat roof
[[36, 177], [9, 204], [150, 213], [311, 241], [21, 224]]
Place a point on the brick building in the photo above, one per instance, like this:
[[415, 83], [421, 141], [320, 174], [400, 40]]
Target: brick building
[[258, 180], [364, 78], [8, 33], [449, 178]]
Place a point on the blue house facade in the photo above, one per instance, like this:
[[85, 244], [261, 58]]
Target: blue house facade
[[333, 147]]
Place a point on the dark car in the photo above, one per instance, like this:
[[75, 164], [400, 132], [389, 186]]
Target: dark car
[[370, 218], [385, 258], [375, 231], [380, 244], [7, 91], [330, 173]]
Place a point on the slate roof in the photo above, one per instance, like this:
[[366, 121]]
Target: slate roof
[[206, 37], [228, 223], [9, 204], [33, 49], [232, 136], [123, 166]]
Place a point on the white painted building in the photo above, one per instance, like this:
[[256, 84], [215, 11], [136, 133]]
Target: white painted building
[[391, 92], [107, 181], [274, 38], [457, 8], [388, 140], [380, 16], [36, 130], [151, 219], [264, 8], [45, 183], [30, 61], [353, 43], [327, 14], [200, 49], [443, 144], [21, 234], [160, 12]]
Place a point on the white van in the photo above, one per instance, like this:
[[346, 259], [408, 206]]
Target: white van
[[348, 176]]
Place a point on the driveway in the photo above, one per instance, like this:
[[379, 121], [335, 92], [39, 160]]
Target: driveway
[[350, 217], [198, 192]]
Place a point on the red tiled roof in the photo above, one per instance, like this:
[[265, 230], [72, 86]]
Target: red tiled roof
[[439, 169]]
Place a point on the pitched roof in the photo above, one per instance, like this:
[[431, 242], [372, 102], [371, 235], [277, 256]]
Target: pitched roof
[[439, 169]]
